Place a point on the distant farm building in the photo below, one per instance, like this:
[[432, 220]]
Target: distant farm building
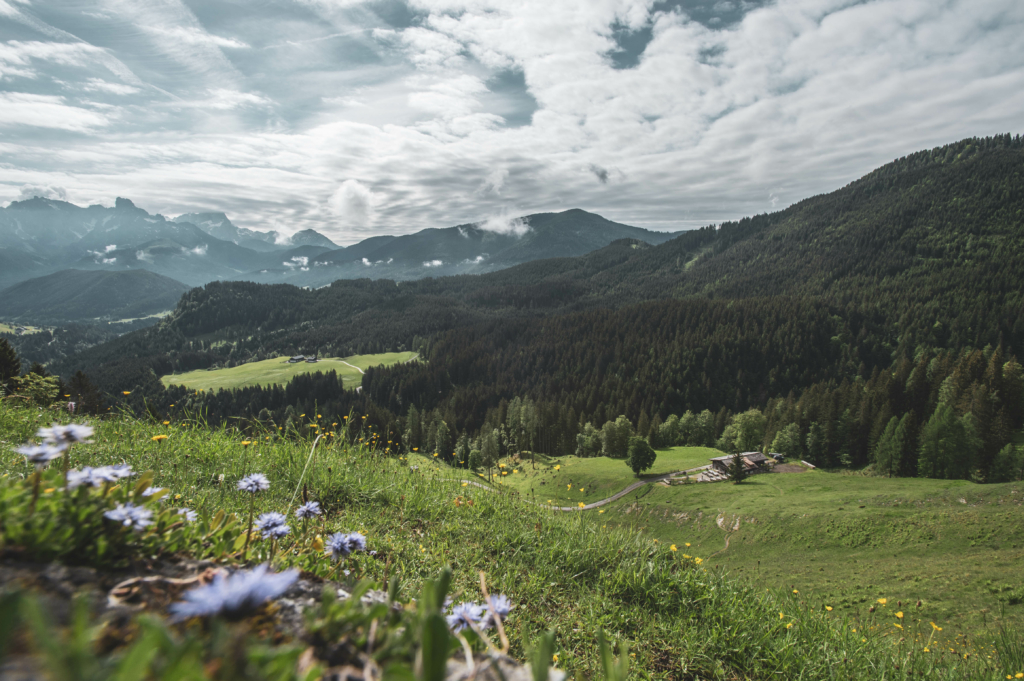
[[296, 359], [753, 462]]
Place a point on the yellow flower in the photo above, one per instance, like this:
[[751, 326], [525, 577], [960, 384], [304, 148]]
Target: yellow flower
[[883, 601], [656, 541], [422, 549], [935, 626], [301, 415], [465, 484], [435, 454], [581, 489], [899, 626], [789, 626], [246, 443], [550, 502], [795, 591], [177, 496], [781, 616], [558, 467], [601, 511], [167, 423], [514, 470], [504, 472], [172, 405], [673, 548], [415, 449], [687, 544], [698, 561], [582, 504], [318, 543], [928, 651], [900, 614], [501, 465], [829, 608], [863, 640], [554, 658], [48, 490], [1019, 675], [319, 416], [569, 486], [127, 392], [159, 438]]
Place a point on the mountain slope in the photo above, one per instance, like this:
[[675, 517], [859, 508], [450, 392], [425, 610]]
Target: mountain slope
[[81, 295]]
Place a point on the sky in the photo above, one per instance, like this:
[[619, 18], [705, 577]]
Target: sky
[[365, 117]]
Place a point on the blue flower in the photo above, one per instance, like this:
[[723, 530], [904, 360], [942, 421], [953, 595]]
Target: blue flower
[[272, 525], [340, 545], [189, 514], [307, 510], [463, 614], [150, 491], [130, 515], [236, 596], [95, 477], [39, 455], [63, 437], [257, 482], [502, 607]]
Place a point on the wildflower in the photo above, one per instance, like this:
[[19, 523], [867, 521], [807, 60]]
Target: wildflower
[[582, 504], [935, 626], [189, 514], [127, 392], [883, 601], [308, 510], [158, 438], [236, 596], [569, 486], [502, 607], [789, 626], [581, 489], [268, 523], [601, 511], [795, 591], [673, 548], [698, 561], [687, 544], [900, 614], [463, 615], [781, 616], [246, 443], [465, 484], [63, 437], [150, 491], [167, 423], [130, 515], [829, 608], [95, 477], [340, 545], [257, 482], [318, 543], [39, 455], [554, 658]]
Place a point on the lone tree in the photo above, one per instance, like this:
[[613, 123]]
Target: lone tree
[[737, 471], [639, 456]]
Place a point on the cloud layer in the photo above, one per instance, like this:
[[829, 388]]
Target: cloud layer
[[359, 118]]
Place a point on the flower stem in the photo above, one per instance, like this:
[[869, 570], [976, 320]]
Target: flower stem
[[35, 492], [248, 532]]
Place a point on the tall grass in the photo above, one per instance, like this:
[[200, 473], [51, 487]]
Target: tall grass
[[566, 572]]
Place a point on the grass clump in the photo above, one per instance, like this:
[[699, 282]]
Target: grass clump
[[570, 573]]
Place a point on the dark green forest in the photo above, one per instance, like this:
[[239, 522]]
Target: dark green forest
[[877, 324]]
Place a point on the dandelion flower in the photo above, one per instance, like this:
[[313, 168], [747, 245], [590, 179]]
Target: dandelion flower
[[687, 544], [167, 423], [698, 561], [828, 607], [465, 484], [308, 510], [673, 548], [257, 482], [795, 591], [554, 658], [781, 616], [463, 614], [130, 515], [236, 596], [900, 614], [246, 443], [789, 626], [601, 511], [582, 504], [127, 392], [935, 626], [158, 438], [883, 601]]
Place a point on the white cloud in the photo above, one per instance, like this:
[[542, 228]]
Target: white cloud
[[367, 262], [353, 203], [143, 256], [297, 261], [433, 263], [200, 250], [109, 248], [47, 111], [100, 85], [503, 223], [31, 191]]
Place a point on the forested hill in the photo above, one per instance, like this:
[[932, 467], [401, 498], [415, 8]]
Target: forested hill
[[928, 248]]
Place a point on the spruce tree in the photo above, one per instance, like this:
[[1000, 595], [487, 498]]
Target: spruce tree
[[737, 471], [10, 365]]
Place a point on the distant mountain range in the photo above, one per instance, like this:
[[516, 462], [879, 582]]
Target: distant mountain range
[[41, 236], [80, 295]]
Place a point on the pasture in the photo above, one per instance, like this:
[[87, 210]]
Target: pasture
[[278, 371]]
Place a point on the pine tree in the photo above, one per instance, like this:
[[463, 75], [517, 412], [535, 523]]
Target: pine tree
[[737, 471], [10, 365]]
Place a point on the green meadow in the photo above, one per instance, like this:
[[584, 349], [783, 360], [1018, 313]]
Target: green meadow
[[12, 328], [598, 477], [575, 573], [278, 371], [847, 540]]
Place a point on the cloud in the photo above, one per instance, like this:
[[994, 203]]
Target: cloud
[[353, 203], [30, 191], [600, 173], [109, 248], [299, 261], [433, 263], [143, 256], [100, 85], [505, 224], [47, 111], [200, 250], [367, 262]]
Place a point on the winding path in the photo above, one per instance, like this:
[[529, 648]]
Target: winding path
[[352, 365], [614, 497]]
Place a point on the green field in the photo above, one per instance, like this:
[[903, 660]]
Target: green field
[[846, 540], [600, 477], [10, 328], [278, 371]]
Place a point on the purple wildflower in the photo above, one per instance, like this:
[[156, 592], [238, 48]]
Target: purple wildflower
[[39, 455], [308, 510], [130, 515], [502, 607], [150, 491], [95, 477], [236, 596], [257, 482], [272, 525], [340, 545], [63, 437], [463, 614], [190, 515]]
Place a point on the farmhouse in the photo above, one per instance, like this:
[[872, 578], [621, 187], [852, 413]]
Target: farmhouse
[[753, 462], [296, 359]]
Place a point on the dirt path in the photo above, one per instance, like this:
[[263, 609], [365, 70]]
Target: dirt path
[[724, 549], [614, 497], [352, 365]]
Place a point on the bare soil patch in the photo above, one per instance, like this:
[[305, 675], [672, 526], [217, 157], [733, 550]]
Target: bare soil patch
[[788, 468]]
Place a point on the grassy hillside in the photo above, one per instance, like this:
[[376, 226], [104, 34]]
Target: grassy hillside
[[845, 540], [71, 295], [278, 371], [564, 571]]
